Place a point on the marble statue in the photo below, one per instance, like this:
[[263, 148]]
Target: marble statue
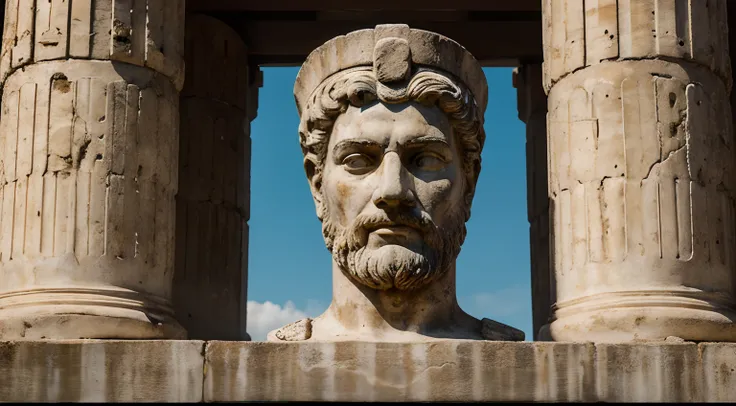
[[392, 132]]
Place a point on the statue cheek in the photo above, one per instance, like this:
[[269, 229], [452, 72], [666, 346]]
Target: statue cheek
[[437, 193], [442, 198], [341, 199], [344, 191]]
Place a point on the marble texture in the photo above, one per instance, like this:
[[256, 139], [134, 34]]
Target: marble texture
[[89, 141], [641, 170]]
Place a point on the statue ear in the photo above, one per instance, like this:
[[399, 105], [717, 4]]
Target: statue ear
[[314, 176]]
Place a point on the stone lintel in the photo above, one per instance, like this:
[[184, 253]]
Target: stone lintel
[[195, 371]]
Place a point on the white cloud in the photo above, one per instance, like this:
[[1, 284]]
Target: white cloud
[[267, 316]]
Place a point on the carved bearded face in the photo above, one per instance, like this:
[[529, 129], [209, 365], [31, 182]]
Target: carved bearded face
[[393, 190]]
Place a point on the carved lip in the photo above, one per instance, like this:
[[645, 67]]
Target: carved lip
[[389, 227], [393, 230]]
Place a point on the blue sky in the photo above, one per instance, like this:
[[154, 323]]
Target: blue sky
[[289, 268]]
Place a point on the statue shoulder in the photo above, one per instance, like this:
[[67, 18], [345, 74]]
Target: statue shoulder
[[493, 330], [297, 331]]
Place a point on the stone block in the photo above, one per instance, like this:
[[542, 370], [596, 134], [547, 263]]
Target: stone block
[[648, 373], [443, 370], [101, 371], [451, 370], [719, 371]]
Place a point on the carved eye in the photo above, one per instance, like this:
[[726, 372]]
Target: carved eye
[[429, 162], [357, 162]]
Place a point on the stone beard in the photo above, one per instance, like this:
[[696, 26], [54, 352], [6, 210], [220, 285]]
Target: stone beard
[[395, 266]]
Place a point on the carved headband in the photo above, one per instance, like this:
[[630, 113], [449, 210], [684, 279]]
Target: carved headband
[[391, 49]]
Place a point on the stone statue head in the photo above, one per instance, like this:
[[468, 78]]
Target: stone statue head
[[392, 131]]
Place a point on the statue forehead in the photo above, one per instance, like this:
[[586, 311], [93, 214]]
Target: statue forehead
[[384, 123]]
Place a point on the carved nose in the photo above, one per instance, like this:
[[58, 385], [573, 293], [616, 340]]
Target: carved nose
[[394, 189]]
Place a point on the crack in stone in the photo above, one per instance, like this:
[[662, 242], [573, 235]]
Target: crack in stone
[[659, 162]]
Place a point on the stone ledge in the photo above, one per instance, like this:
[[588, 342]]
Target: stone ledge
[[469, 371], [177, 371]]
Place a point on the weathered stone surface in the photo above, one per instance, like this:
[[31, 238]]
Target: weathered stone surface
[[642, 180], [89, 178], [719, 370], [210, 281], [101, 371], [357, 48], [641, 170], [299, 330], [649, 373], [143, 33], [392, 60], [580, 33], [89, 141], [449, 370]]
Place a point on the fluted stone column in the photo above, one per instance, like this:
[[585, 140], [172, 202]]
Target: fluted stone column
[[210, 286], [532, 106], [731, 20], [89, 148], [641, 152]]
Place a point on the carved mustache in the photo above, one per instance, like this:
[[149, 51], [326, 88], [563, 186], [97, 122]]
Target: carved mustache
[[363, 224], [371, 222]]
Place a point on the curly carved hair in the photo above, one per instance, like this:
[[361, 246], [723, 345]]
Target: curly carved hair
[[359, 87]]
